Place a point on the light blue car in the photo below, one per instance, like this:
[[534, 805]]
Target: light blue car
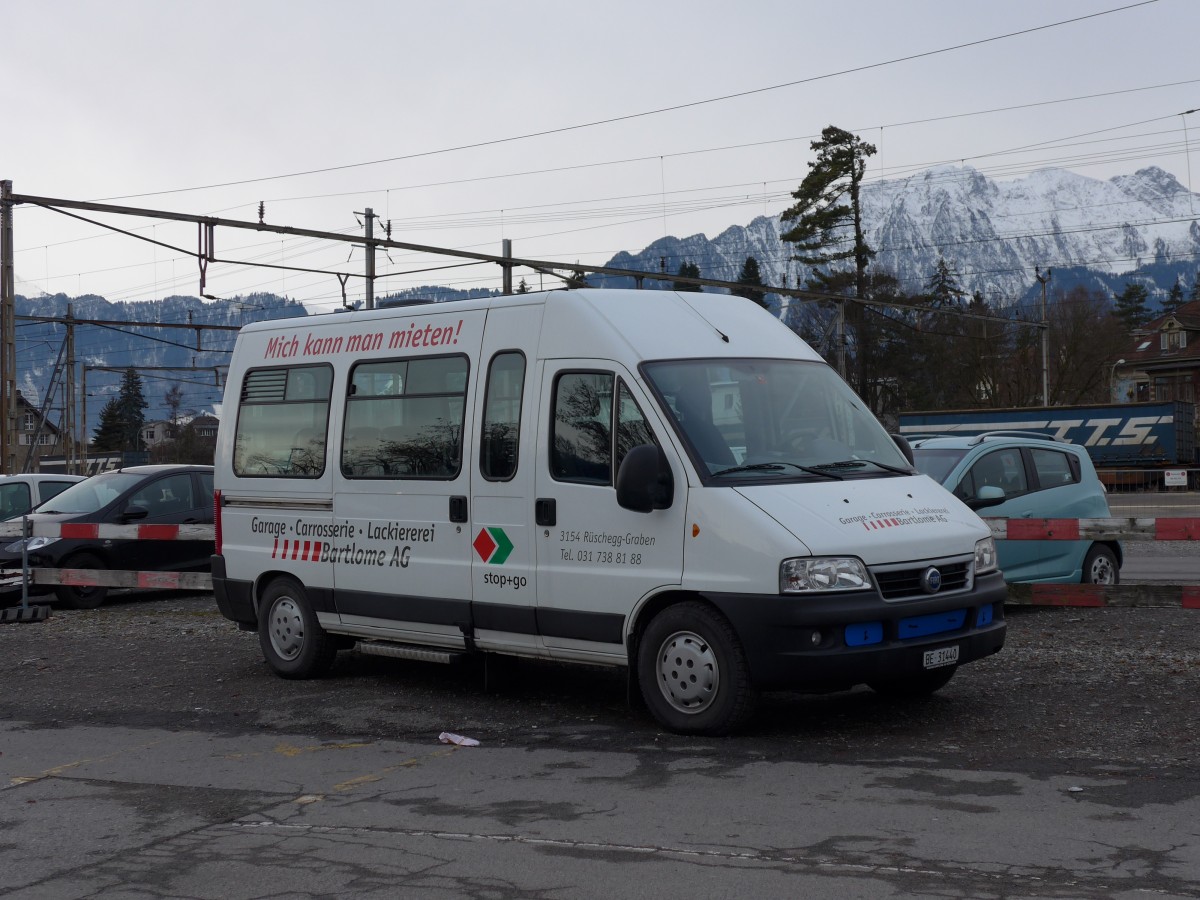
[[1025, 475]]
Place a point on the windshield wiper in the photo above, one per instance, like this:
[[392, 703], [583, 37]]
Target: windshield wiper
[[765, 466], [49, 512], [859, 463]]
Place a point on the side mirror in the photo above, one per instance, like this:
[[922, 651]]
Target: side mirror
[[644, 481], [988, 495], [905, 448], [134, 511]]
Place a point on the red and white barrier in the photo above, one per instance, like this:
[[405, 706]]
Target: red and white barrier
[[89, 531], [1131, 529], [1080, 595]]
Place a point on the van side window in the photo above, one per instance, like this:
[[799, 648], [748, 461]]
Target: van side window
[[581, 439], [632, 427], [582, 447], [498, 441], [282, 418], [404, 418], [1053, 468]]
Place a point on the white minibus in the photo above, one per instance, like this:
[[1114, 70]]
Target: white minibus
[[670, 482]]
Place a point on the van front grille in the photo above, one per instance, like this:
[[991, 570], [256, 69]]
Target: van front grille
[[903, 582]]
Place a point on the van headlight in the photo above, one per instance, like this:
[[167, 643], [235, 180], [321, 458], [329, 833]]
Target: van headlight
[[30, 544], [805, 575], [985, 556]]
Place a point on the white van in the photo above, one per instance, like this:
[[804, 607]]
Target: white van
[[671, 482]]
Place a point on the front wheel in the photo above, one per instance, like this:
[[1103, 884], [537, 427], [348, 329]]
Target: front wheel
[[1100, 566], [74, 596], [293, 642], [693, 671]]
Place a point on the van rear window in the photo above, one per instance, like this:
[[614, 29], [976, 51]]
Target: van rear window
[[283, 415]]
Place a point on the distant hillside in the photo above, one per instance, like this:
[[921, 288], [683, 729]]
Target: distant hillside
[[39, 343]]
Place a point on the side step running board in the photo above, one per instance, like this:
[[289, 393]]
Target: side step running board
[[409, 651]]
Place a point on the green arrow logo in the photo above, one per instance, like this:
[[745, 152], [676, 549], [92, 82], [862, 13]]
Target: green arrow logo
[[503, 546]]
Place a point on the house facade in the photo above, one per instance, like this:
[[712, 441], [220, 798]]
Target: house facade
[[35, 434], [1164, 361]]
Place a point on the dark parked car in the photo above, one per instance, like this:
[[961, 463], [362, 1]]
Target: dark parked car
[[141, 495]]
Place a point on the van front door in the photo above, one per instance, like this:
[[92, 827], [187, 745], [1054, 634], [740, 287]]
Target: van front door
[[596, 560]]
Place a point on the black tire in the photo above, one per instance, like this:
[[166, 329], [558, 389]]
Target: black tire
[[1100, 566], [292, 641], [693, 673], [909, 686], [76, 597]]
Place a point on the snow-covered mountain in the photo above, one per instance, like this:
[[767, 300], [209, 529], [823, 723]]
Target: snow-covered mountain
[[993, 233]]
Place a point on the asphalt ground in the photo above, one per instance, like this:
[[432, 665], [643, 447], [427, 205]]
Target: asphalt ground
[[147, 751]]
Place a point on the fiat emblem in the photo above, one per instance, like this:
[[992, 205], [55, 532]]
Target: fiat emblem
[[931, 580]]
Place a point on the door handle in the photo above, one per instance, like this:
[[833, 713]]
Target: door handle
[[458, 509], [545, 511]]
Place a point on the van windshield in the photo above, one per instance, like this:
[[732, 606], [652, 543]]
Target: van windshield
[[781, 418]]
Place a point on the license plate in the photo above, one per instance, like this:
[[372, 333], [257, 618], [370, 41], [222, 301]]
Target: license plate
[[943, 656]]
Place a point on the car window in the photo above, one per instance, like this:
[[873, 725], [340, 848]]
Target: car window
[[1000, 468], [1053, 468], [14, 499], [93, 494], [206, 487], [166, 496], [54, 488]]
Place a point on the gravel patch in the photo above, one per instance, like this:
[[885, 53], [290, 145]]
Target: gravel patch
[[1073, 690]]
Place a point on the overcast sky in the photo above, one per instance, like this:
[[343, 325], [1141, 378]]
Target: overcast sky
[[575, 130]]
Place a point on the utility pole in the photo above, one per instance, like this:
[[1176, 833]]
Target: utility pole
[[68, 419], [506, 252], [8, 336], [1045, 337], [370, 279], [841, 338]]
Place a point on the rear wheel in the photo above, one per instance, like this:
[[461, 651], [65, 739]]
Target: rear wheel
[[292, 641], [693, 671], [1100, 566], [920, 685], [79, 596]]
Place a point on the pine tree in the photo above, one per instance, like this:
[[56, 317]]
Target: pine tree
[[1130, 306], [752, 279], [1174, 298], [123, 416], [109, 432], [522, 287], [944, 288], [1195, 295], [828, 203], [686, 270], [575, 281]]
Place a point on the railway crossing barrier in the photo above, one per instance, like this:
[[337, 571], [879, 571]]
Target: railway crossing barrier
[[1082, 595]]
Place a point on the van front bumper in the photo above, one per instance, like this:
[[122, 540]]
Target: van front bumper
[[836, 641]]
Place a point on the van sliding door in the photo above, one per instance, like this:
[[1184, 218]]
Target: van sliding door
[[401, 565]]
